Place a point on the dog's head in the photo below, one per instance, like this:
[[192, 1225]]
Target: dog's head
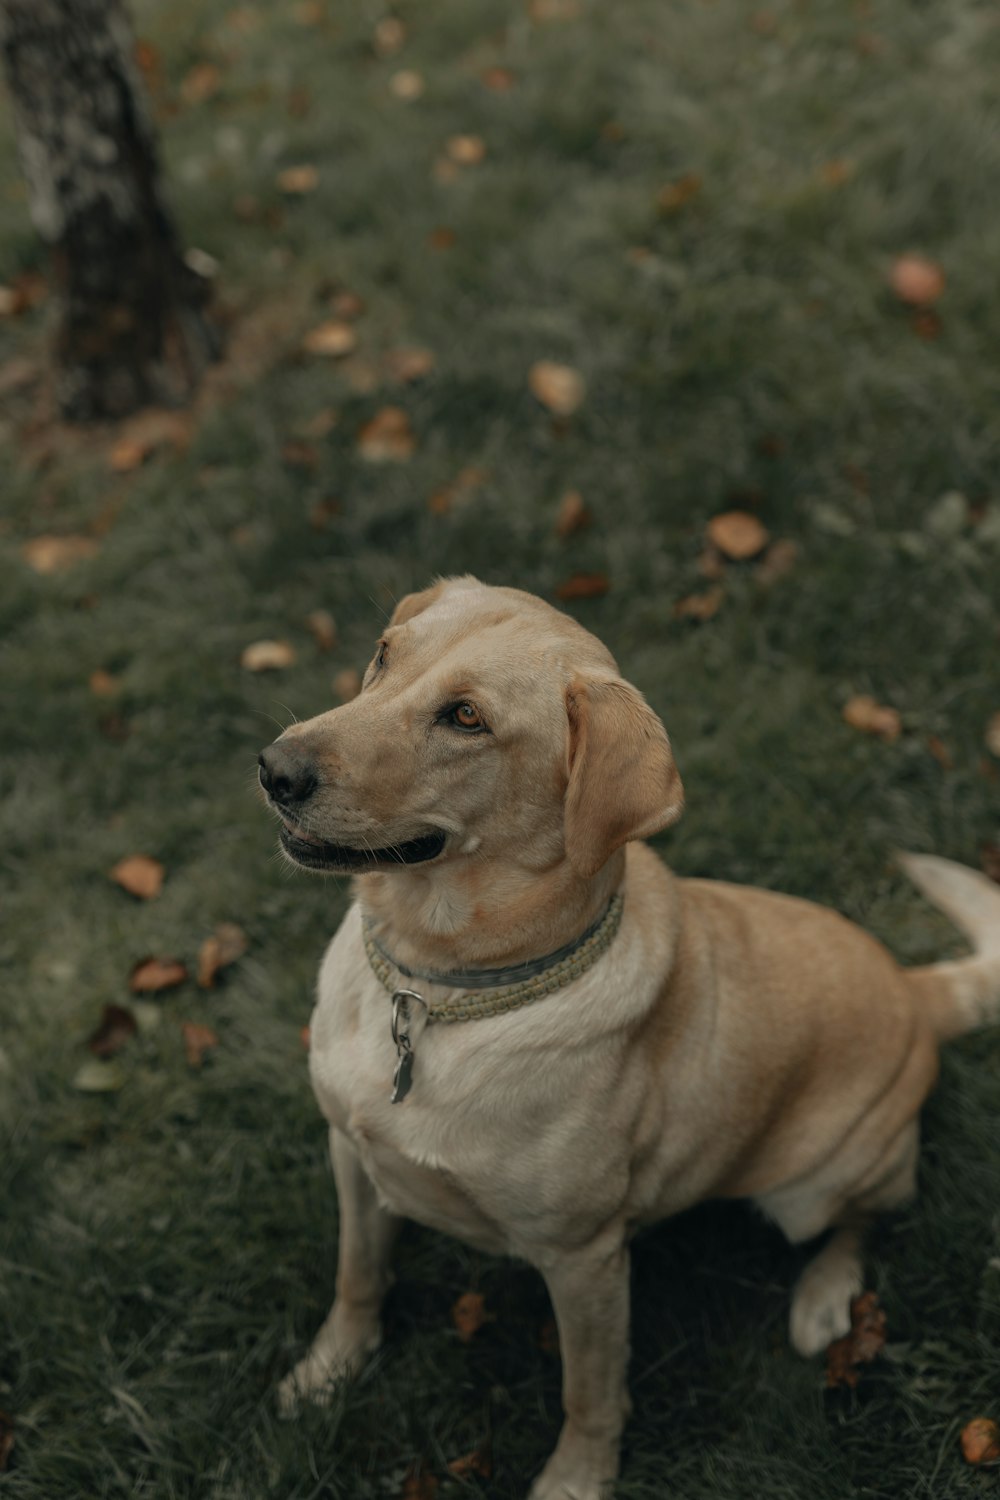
[[488, 724]]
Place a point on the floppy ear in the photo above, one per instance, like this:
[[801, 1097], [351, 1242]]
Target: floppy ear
[[623, 783], [415, 604]]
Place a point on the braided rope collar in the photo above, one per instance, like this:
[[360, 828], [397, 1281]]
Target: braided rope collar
[[505, 989]]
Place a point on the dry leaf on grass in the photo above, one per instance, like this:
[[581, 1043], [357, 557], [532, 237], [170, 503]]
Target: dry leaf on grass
[[940, 752], [299, 180], [865, 713], [407, 84], [198, 1040], [227, 943], [267, 656], [860, 1346], [145, 433], [572, 515], [981, 1441], [128, 454], [323, 628], [116, 1027], [103, 684], [305, 1037], [778, 561], [477, 1463], [558, 387], [498, 80], [6, 1439], [992, 735], [917, 281], [469, 1314], [332, 340], [201, 83], [583, 586], [387, 438], [461, 490], [301, 456], [140, 875], [151, 975], [347, 684], [408, 364], [389, 36], [419, 1484], [737, 535], [466, 150], [676, 194], [700, 606], [99, 1077], [57, 554]]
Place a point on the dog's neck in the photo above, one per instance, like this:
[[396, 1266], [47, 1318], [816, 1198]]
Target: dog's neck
[[469, 914]]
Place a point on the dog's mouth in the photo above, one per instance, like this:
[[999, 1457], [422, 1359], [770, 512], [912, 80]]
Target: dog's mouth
[[316, 854]]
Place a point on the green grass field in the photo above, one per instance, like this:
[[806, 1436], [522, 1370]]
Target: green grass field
[[167, 1248]]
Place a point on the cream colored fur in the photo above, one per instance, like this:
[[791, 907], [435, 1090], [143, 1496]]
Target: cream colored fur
[[731, 1043]]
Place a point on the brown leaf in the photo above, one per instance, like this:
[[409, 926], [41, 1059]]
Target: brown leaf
[[320, 423], [419, 1484], [926, 325], [778, 561], [198, 1040], [57, 554], [992, 735], [227, 943], [323, 512], [737, 534], [151, 975], [128, 454], [103, 684], [117, 1026], [700, 606], [332, 340], [298, 455], [940, 752], [6, 1439], [201, 83], [461, 490], [836, 172], [497, 80], [711, 563], [469, 1314], [390, 34], [864, 713], [305, 1037], [442, 238], [347, 305], [466, 150], [572, 515], [676, 194], [559, 387], [981, 1441], [309, 13], [542, 11], [917, 281], [26, 291], [478, 1462], [989, 860], [407, 84], [409, 364], [388, 437], [860, 1346], [140, 875], [323, 628], [347, 684], [299, 180], [267, 656], [583, 586]]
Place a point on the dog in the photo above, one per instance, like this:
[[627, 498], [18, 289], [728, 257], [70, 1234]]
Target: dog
[[529, 1034]]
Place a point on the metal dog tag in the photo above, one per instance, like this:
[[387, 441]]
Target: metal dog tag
[[402, 1078]]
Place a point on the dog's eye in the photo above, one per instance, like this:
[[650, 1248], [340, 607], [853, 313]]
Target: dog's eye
[[466, 716], [380, 655]]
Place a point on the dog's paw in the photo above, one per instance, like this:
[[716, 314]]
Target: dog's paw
[[566, 1478], [328, 1362], [821, 1302]]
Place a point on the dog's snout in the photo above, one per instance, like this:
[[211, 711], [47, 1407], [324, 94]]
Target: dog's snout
[[287, 775]]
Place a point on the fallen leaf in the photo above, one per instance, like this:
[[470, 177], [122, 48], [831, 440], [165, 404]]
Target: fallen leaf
[[764, 22], [8, 302], [116, 1027], [305, 1037], [466, 150], [201, 83], [926, 325], [301, 456], [409, 364], [553, 10], [299, 180], [737, 534], [614, 131], [347, 304], [989, 860], [583, 586], [151, 975], [676, 194], [864, 713], [992, 735], [442, 238], [57, 554], [407, 84], [323, 628], [836, 172], [711, 563], [96, 1077], [390, 34], [478, 1462], [940, 752], [27, 291], [468, 1315], [572, 515], [778, 561], [320, 423], [140, 875], [559, 387], [917, 281], [700, 606], [6, 1439], [323, 512], [198, 1040], [227, 943], [103, 684], [333, 340], [465, 484], [347, 684], [981, 1441], [267, 656], [388, 437], [309, 12], [126, 455], [498, 80], [860, 1346], [419, 1485], [115, 727]]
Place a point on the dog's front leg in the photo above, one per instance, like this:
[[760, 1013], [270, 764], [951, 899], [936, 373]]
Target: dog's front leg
[[590, 1295], [352, 1330]]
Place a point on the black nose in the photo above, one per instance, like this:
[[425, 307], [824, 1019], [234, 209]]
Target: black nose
[[287, 775]]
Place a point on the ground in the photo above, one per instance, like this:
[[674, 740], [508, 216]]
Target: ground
[[167, 1247]]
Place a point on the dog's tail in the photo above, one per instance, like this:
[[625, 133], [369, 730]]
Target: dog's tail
[[965, 993]]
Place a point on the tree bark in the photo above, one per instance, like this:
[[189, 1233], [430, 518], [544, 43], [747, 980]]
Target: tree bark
[[133, 314]]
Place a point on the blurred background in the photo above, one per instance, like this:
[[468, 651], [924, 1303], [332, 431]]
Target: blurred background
[[681, 313]]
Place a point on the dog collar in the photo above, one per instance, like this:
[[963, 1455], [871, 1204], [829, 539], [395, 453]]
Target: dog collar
[[505, 989]]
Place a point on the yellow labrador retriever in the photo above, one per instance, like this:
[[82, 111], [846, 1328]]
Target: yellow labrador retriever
[[531, 1035]]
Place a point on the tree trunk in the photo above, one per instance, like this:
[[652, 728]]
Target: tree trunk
[[133, 326]]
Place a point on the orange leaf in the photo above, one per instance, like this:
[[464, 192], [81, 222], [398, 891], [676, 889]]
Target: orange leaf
[[981, 1441], [409, 364], [864, 713], [347, 304], [860, 1346], [227, 943], [737, 534], [468, 1315], [559, 387], [102, 684], [992, 735], [572, 516], [267, 656], [323, 628], [390, 34], [465, 484], [700, 606], [419, 1485], [201, 83], [128, 454], [198, 1040], [347, 684], [498, 80], [779, 560], [466, 150], [388, 437], [940, 752], [407, 84], [478, 1462], [305, 1037], [151, 975], [917, 281], [584, 586], [332, 340], [117, 1026], [57, 554], [442, 238], [296, 181], [139, 875], [676, 194]]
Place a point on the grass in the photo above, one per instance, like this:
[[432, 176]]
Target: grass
[[166, 1250]]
